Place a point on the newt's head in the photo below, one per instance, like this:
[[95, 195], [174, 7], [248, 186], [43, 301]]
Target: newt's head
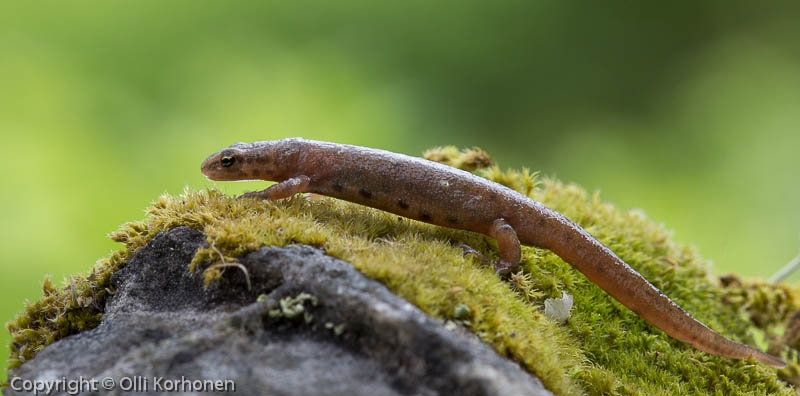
[[270, 160]]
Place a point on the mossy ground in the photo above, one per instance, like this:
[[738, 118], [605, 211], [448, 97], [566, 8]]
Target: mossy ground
[[603, 348]]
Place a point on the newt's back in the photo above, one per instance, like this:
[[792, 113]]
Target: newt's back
[[412, 187]]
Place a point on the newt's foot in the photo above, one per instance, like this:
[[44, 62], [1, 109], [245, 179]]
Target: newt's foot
[[504, 268], [252, 194], [501, 267], [469, 250]]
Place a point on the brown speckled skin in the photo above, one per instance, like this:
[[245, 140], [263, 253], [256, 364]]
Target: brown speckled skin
[[427, 191]]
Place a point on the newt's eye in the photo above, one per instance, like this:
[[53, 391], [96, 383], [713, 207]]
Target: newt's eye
[[227, 160]]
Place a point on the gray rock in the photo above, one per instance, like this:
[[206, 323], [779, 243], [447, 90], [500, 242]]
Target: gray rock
[[310, 325]]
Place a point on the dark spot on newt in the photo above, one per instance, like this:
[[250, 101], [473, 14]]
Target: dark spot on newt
[[402, 204], [338, 187], [452, 219], [365, 193], [425, 216]]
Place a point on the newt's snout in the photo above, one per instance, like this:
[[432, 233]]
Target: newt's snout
[[222, 166], [210, 167]]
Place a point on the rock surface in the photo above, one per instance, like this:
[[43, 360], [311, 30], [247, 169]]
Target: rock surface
[[310, 325]]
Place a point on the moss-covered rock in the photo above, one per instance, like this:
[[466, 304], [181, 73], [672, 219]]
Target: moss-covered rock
[[603, 348]]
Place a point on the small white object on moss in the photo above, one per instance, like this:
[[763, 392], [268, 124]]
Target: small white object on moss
[[558, 308]]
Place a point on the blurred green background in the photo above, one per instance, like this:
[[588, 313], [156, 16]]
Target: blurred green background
[[687, 110]]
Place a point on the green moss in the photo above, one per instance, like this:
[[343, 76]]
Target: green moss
[[603, 348], [469, 160]]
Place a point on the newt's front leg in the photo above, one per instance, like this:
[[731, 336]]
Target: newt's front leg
[[284, 189]]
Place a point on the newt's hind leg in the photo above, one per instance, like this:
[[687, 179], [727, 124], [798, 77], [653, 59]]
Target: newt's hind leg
[[508, 244]]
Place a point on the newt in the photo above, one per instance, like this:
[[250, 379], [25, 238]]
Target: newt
[[430, 192]]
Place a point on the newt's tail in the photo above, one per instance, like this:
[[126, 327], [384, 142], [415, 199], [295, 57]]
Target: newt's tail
[[578, 248]]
